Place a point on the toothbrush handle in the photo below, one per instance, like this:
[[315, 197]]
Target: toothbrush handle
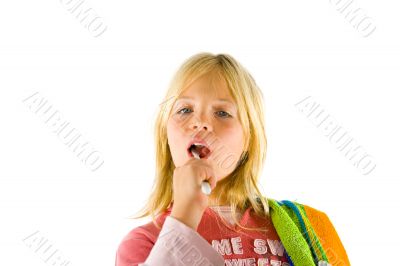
[[205, 186]]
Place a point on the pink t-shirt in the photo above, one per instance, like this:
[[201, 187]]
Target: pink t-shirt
[[215, 242]]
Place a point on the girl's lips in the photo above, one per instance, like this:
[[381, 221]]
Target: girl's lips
[[199, 141]]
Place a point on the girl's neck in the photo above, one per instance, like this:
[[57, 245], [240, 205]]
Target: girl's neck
[[213, 200]]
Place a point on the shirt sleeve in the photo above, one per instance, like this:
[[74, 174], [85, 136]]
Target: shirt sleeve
[[177, 244]]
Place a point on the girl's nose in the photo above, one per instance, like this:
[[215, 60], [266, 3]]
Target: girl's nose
[[201, 124]]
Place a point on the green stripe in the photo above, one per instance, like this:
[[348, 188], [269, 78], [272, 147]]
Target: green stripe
[[290, 235], [317, 242]]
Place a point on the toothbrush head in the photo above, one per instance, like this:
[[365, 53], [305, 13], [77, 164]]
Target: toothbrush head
[[195, 154]]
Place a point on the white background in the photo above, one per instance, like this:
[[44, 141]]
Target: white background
[[109, 89]]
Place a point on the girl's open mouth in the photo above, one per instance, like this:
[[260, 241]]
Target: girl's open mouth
[[200, 149]]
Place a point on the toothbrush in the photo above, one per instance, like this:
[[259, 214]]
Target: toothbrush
[[205, 186]]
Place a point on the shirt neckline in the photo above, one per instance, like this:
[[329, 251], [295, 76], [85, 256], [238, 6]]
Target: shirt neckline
[[242, 221], [210, 212]]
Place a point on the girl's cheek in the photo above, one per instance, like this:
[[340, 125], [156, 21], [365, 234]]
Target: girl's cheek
[[231, 127], [180, 121], [176, 130]]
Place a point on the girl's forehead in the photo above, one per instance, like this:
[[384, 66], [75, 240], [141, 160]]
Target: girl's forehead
[[216, 100], [207, 87]]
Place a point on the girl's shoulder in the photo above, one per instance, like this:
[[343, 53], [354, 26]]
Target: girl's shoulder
[[317, 218], [321, 225], [298, 207], [136, 245], [312, 213], [148, 230], [145, 233]]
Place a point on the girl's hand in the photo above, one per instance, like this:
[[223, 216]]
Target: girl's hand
[[189, 201]]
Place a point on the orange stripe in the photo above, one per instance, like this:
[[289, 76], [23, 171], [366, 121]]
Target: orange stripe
[[328, 237]]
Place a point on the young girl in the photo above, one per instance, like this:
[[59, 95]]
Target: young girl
[[210, 132]]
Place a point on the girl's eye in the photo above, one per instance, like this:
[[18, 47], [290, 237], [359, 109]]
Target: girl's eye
[[180, 111], [224, 114], [220, 113]]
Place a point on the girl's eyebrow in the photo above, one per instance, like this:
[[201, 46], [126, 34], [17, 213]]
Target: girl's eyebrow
[[217, 100]]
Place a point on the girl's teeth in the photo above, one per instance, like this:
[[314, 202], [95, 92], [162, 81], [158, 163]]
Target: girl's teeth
[[198, 144]]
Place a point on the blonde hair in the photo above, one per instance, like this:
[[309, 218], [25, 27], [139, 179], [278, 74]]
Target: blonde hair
[[241, 186]]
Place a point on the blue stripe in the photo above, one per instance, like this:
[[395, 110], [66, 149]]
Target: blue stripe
[[303, 226], [290, 261]]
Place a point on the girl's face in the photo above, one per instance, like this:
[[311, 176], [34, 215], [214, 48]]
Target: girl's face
[[206, 111]]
